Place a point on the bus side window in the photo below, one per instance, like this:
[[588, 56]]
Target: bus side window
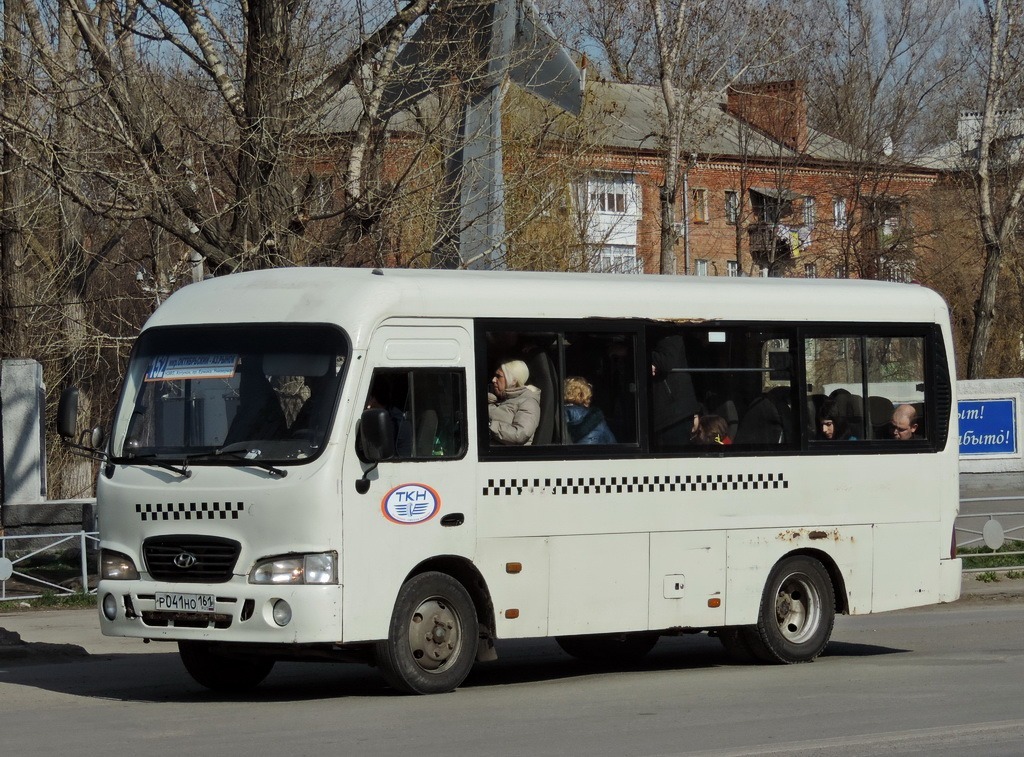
[[835, 381], [523, 410], [674, 404], [861, 385], [438, 408], [542, 361], [426, 407], [598, 397], [896, 386]]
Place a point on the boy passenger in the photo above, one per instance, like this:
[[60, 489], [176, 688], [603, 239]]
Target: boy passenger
[[585, 424]]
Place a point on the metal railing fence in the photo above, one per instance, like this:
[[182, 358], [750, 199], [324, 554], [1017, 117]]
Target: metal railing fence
[[983, 535], [30, 564], [23, 575]]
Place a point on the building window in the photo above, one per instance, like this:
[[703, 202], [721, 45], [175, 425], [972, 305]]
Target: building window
[[771, 205], [699, 205], [615, 194], [732, 268], [320, 194], [810, 271], [614, 258], [886, 218], [702, 268], [609, 202], [896, 269], [839, 213], [612, 211], [840, 272], [809, 212], [732, 206]]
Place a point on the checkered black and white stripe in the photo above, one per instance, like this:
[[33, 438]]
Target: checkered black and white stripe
[[636, 484], [189, 510]]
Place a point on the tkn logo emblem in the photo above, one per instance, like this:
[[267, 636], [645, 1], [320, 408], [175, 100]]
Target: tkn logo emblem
[[410, 503]]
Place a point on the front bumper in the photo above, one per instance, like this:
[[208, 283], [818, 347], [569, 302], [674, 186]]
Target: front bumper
[[243, 612]]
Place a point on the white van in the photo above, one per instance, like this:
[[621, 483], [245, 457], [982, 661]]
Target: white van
[[305, 464]]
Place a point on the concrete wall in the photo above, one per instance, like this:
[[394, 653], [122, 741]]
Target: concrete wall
[[24, 509], [22, 401]]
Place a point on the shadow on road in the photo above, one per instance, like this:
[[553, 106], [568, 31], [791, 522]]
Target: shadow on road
[[848, 649], [161, 677]]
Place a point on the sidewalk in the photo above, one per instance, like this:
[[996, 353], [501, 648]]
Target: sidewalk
[[49, 634]]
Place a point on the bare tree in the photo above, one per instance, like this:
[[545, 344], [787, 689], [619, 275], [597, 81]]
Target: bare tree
[[877, 75], [199, 114], [138, 136], [13, 92], [692, 50], [999, 181]]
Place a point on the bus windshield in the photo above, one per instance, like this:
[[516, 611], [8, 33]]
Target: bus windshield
[[230, 394]]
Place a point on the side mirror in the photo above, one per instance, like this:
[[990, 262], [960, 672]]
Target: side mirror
[[377, 435], [67, 413]]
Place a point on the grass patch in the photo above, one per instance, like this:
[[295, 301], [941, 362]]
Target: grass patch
[[983, 557], [50, 601], [988, 577]]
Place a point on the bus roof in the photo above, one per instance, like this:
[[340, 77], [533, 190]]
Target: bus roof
[[359, 298]]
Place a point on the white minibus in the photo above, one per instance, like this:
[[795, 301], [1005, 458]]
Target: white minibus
[[403, 467]]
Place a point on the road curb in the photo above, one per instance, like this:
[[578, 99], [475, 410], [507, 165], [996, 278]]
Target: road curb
[[1004, 588], [12, 647]]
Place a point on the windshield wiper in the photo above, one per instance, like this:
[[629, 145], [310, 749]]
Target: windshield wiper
[[157, 463], [245, 452]]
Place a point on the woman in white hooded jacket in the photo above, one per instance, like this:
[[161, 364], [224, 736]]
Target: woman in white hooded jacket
[[513, 407]]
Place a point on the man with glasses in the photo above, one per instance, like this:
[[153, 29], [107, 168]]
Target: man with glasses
[[904, 423]]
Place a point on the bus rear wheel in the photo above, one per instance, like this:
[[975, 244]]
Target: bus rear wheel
[[218, 669], [608, 648], [798, 610], [433, 636]]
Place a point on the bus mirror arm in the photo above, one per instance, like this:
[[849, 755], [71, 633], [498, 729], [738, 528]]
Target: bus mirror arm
[[363, 483], [377, 441]]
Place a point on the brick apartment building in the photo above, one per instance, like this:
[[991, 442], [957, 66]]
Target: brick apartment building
[[763, 193]]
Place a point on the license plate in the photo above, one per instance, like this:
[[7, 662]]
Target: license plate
[[177, 602]]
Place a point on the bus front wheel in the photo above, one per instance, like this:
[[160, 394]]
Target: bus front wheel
[[798, 609], [219, 670], [433, 636]]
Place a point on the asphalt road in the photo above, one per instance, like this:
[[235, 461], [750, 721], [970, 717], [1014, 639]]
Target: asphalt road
[[941, 680]]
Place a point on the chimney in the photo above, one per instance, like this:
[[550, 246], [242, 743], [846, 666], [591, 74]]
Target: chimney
[[777, 108]]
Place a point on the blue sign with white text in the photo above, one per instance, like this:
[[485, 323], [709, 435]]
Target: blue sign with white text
[[988, 427]]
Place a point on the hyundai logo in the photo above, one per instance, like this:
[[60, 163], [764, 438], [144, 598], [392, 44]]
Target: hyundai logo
[[184, 560]]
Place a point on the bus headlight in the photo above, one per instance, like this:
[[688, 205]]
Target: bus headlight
[[318, 568], [117, 567]]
